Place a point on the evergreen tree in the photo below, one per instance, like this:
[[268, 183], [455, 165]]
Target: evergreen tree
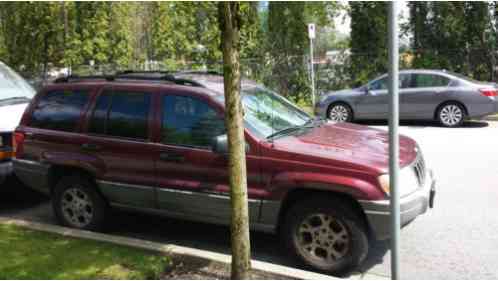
[[368, 40]]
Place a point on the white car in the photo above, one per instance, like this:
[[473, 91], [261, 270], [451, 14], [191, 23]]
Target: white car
[[15, 94]]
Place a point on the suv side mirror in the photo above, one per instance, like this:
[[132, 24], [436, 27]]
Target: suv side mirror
[[220, 145]]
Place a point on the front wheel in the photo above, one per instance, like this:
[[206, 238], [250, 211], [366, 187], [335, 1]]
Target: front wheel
[[340, 112], [326, 235], [451, 115]]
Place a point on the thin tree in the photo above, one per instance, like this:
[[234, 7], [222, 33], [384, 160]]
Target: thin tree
[[230, 23]]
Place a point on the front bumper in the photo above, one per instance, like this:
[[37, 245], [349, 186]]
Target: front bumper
[[411, 206], [5, 170]]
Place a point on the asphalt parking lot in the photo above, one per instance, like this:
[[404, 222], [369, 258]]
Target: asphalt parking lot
[[455, 240]]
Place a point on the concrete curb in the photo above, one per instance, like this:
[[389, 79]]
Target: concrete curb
[[491, 118]]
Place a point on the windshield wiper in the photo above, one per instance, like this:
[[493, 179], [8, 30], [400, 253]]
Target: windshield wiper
[[14, 99], [310, 124]]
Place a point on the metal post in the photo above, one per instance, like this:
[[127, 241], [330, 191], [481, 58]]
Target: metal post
[[312, 75], [394, 137]]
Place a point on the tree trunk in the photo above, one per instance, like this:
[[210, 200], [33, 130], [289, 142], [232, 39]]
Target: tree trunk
[[229, 19]]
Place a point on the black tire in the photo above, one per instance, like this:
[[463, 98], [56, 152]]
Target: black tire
[[341, 107], [349, 219], [66, 188], [451, 122]]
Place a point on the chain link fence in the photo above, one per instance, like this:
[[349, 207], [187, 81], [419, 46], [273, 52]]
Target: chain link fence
[[291, 76]]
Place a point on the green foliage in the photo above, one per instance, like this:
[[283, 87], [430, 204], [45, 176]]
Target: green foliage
[[457, 36], [38, 34], [185, 32], [368, 40], [172, 35], [30, 254], [288, 44]]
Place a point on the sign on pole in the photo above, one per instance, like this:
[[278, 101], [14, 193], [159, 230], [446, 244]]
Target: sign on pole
[[311, 31], [311, 35]]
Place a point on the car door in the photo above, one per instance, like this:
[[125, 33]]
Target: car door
[[119, 144], [424, 95], [192, 179], [374, 103]]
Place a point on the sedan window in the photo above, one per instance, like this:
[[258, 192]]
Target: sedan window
[[382, 84], [430, 80]]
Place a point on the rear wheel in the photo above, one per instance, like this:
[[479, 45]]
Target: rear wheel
[[326, 235], [340, 112], [77, 204], [451, 114]]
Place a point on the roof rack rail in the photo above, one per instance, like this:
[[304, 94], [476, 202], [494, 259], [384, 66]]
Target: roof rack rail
[[132, 75], [163, 76], [70, 78], [212, 72], [129, 71]]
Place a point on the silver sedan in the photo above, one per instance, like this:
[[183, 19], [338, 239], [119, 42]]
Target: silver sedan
[[444, 96]]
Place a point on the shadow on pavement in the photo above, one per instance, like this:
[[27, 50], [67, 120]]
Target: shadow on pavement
[[14, 196], [423, 124], [265, 247]]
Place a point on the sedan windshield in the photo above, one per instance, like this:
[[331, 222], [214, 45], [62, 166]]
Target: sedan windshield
[[268, 113], [13, 86]]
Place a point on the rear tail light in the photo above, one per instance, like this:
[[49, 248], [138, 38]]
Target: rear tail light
[[18, 142], [489, 92]]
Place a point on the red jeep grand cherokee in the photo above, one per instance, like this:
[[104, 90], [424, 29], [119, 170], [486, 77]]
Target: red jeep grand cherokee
[[155, 142]]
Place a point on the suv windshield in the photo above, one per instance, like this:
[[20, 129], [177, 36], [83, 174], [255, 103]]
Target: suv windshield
[[13, 86], [267, 113]]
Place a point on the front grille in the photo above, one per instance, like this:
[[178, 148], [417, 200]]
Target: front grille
[[419, 168]]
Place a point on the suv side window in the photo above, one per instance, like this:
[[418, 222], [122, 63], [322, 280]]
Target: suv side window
[[430, 80], [189, 121], [59, 110], [121, 114]]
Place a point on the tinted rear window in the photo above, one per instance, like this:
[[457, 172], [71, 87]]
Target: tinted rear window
[[121, 114], [59, 110]]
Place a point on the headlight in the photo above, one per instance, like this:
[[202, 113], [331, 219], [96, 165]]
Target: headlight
[[385, 183], [407, 182]]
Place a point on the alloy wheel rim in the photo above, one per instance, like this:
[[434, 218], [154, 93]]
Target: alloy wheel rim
[[77, 207], [323, 239], [451, 115], [338, 113]]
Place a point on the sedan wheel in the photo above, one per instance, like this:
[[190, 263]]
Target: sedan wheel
[[451, 115], [340, 113]]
